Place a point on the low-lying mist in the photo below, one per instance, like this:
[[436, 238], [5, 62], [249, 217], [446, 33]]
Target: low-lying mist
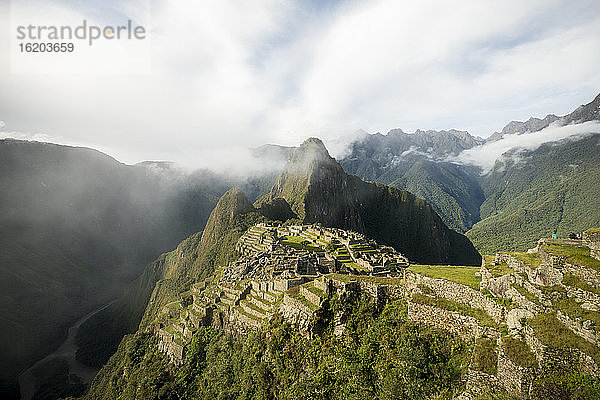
[[485, 156]]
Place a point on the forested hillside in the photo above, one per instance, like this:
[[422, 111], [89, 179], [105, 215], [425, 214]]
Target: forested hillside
[[552, 190]]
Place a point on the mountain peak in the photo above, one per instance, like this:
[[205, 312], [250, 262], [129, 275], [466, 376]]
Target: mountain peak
[[310, 152], [310, 164], [318, 190], [234, 202]]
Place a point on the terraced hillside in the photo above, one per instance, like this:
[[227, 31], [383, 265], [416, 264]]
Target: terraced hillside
[[525, 317]]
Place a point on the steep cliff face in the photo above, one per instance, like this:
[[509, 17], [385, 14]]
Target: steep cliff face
[[231, 205], [318, 190]]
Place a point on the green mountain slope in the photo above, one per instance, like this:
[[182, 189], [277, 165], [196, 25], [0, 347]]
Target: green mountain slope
[[553, 189], [318, 190], [382, 355], [414, 162], [452, 190], [75, 226], [163, 279]]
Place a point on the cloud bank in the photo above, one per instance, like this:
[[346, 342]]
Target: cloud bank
[[485, 156], [245, 73]]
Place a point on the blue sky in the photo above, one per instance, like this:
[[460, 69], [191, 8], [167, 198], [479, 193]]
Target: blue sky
[[233, 74]]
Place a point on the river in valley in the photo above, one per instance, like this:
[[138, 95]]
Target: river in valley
[[66, 351]]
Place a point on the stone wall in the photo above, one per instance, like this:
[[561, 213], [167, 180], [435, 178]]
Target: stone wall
[[247, 320], [310, 296], [296, 315], [323, 284], [394, 292], [373, 290], [297, 304], [563, 358], [480, 384], [464, 326], [282, 285], [583, 329], [455, 292], [343, 287], [515, 379], [167, 344], [592, 277], [589, 301], [591, 238], [551, 259]]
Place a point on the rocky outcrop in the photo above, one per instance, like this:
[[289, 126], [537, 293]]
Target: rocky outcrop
[[547, 274], [591, 238]]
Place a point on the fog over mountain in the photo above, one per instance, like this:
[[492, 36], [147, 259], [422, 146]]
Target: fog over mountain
[[486, 155], [427, 132]]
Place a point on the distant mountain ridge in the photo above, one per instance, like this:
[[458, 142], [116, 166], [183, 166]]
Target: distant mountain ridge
[[75, 225], [414, 162], [459, 193]]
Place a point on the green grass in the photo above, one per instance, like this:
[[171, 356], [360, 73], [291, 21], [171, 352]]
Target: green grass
[[485, 356], [530, 259], [342, 277], [526, 293], [354, 265], [241, 311], [311, 288], [174, 305], [496, 270], [253, 306], [551, 332], [518, 352], [508, 303], [458, 274], [578, 255], [593, 230], [300, 243], [439, 302], [572, 280], [177, 339], [425, 289], [170, 329], [262, 301], [551, 289], [571, 308]]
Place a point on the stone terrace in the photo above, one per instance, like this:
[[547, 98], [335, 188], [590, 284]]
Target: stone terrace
[[511, 302]]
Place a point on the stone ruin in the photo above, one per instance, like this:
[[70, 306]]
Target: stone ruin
[[511, 292]]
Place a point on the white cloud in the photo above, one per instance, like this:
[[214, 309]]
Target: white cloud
[[485, 156], [37, 137], [2, 124], [241, 73]]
